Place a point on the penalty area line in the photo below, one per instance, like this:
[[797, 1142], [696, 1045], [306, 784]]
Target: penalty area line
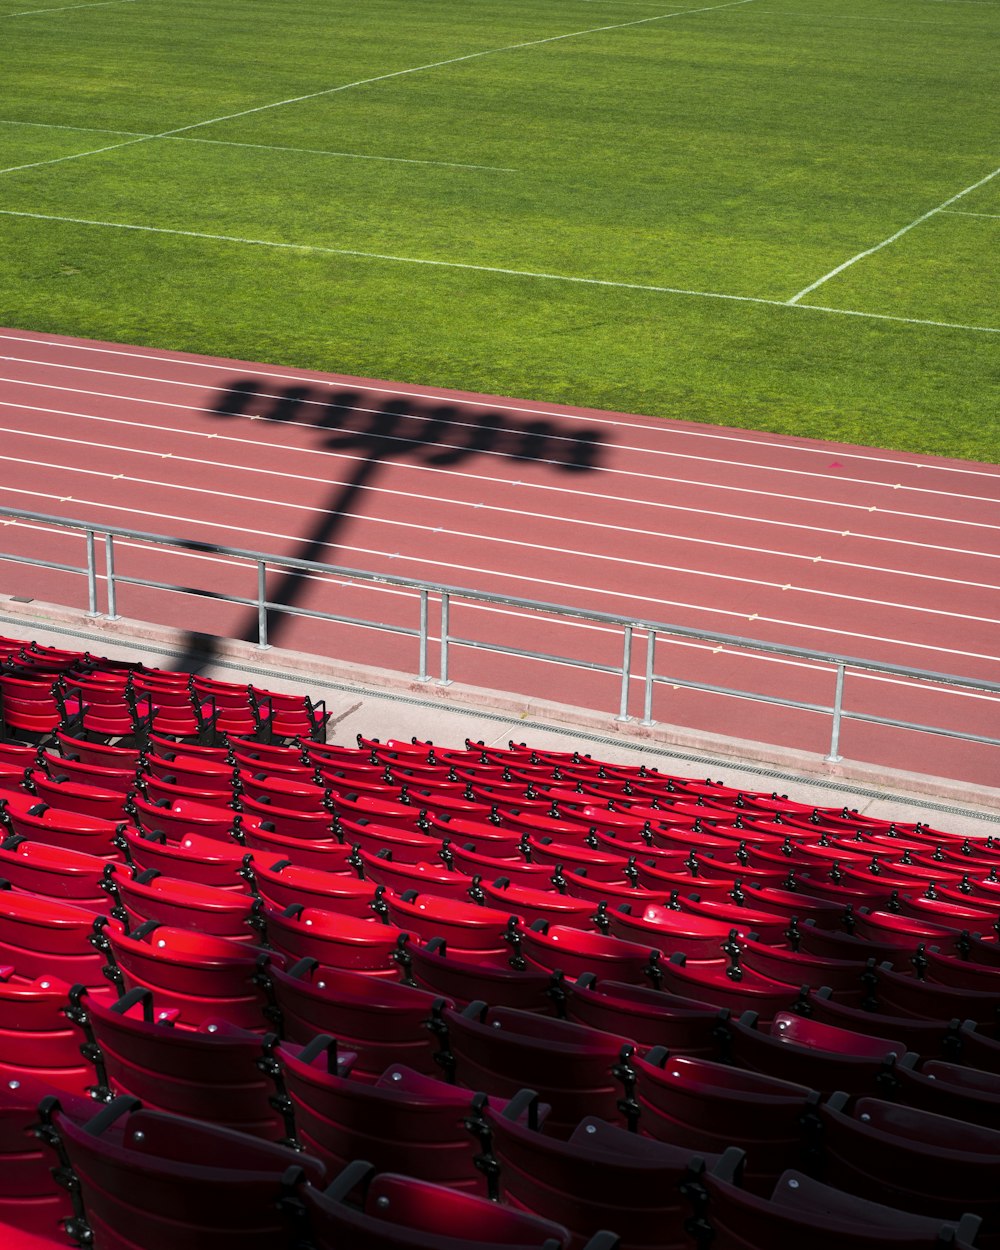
[[535, 275]]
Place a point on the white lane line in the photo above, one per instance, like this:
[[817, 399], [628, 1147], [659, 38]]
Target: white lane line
[[702, 512], [95, 4], [262, 147], [664, 426], [495, 269], [374, 518], [917, 221], [658, 478], [394, 439], [364, 82], [590, 591], [961, 212]]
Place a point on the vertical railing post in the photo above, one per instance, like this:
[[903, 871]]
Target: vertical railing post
[[647, 694], [626, 674], [91, 574], [443, 680], [423, 636], [838, 705], [262, 642], [109, 564]]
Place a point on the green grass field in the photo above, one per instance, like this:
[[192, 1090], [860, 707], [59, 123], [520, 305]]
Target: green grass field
[[508, 222]]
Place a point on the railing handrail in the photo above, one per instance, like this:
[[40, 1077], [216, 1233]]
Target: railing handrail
[[491, 597]]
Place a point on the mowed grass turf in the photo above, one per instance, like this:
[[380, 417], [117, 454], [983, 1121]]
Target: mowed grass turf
[[421, 221]]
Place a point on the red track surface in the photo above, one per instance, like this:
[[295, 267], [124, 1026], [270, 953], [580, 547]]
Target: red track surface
[[872, 554]]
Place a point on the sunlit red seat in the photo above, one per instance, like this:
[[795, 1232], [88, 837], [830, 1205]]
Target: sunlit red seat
[[149, 895], [194, 857], [558, 948], [335, 940], [282, 883], [53, 871], [42, 937]]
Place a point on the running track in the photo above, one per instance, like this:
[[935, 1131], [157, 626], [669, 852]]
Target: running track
[[871, 554]]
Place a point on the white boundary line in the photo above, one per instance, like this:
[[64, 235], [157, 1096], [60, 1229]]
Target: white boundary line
[[962, 212], [664, 427], [496, 269], [262, 147], [95, 4], [658, 478], [449, 501], [364, 82], [754, 466], [870, 251]]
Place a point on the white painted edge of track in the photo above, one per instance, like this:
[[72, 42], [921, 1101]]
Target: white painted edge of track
[[661, 426]]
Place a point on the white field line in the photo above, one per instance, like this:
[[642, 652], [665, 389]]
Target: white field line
[[63, 8], [917, 221], [962, 212], [503, 513], [364, 82], [663, 427], [496, 269], [590, 591], [263, 147], [338, 455], [852, 17], [187, 409]]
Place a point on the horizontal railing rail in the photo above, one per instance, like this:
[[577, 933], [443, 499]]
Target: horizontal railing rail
[[628, 626]]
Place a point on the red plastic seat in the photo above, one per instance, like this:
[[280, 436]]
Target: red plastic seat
[[602, 1177], [435, 968], [42, 937], [557, 948], [820, 1056], [22, 814], [28, 706], [950, 1089], [114, 777], [851, 980], [201, 976], [36, 1039], [380, 1021], [394, 1212], [935, 1039], [150, 1181], [429, 878], [532, 904], [325, 855], [407, 846], [707, 1106], [282, 883], [734, 989], [38, 868], [494, 1049], [803, 1212], [334, 940], [216, 1073], [464, 926], [905, 995], [194, 857], [76, 796], [916, 1160], [648, 1016], [673, 931], [148, 895], [181, 817], [403, 1119]]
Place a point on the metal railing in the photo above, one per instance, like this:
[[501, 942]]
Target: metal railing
[[261, 563]]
